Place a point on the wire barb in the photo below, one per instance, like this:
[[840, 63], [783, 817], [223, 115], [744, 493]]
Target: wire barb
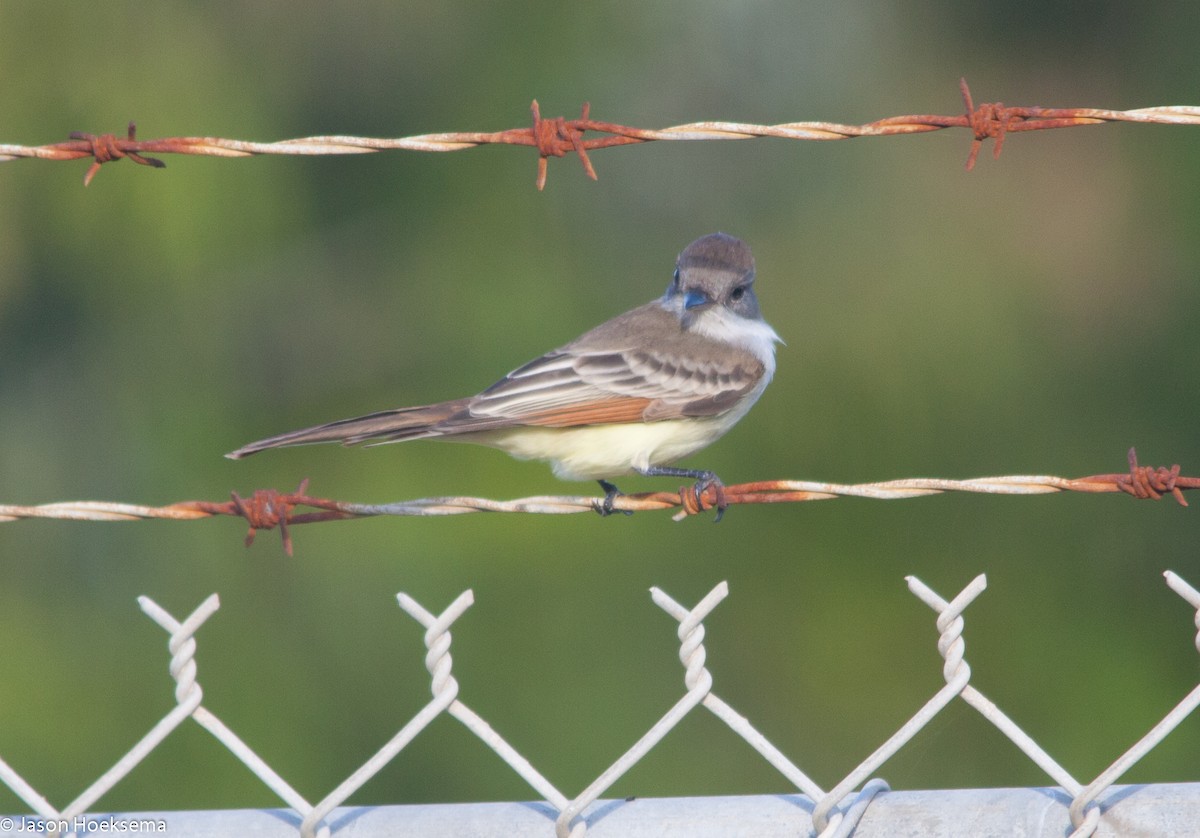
[[106, 147], [267, 509], [989, 120], [555, 137], [1149, 482], [559, 136]]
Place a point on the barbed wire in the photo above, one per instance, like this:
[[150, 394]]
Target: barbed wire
[[268, 509], [832, 814], [558, 137]]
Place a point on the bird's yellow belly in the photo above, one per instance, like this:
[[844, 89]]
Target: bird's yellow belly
[[593, 452]]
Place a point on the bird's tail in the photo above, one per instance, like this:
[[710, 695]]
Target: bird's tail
[[385, 426]]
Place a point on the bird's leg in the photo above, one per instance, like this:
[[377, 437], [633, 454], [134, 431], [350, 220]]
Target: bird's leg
[[611, 493], [705, 480]]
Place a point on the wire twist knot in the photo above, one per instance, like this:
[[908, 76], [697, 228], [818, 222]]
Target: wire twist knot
[[1149, 482], [555, 137], [990, 120], [439, 662], [267, 509], [182, 646], [183, 666], [105, 149], [1189, 594], [951, 646], [437, 640], [696, 499], [1085, 820], [692, 653]]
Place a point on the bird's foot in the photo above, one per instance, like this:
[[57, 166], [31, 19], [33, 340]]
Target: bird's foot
[[709, 481], [692, 498], [611, 493]]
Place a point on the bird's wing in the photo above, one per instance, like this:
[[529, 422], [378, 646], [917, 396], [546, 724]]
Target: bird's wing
[[589, 387]]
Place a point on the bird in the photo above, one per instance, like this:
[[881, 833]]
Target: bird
[[631, 396]]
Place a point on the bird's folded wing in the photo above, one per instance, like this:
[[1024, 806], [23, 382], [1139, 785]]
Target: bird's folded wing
[[572, 387]]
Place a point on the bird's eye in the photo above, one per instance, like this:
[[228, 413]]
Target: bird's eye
[[674, 286], [737, 293]]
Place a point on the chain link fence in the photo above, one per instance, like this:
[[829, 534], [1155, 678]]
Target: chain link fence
[[859, 805]]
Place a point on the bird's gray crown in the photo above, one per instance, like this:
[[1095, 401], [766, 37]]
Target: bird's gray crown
[[718, 251]]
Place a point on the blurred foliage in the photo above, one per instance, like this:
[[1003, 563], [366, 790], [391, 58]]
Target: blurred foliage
[[1028, 317]]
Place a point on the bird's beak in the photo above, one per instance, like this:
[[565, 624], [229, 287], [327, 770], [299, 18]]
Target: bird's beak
[[693, 299]]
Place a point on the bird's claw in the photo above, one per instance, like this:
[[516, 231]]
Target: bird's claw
[[701, 487], [611, 493]]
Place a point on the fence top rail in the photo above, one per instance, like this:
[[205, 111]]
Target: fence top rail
[[1154, 809]]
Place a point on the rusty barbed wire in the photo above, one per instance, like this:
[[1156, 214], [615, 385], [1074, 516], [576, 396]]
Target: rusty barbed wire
[[268, 509], [558, 137]]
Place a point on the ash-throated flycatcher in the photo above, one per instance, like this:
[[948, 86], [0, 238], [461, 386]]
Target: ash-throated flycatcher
[[644, 389]]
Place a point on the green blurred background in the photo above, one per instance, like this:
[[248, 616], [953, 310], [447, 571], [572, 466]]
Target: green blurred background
[[1029, 317]]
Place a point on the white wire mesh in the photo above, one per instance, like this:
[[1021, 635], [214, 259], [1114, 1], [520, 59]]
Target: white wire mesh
[[856, 805]]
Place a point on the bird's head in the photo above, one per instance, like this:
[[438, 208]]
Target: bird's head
[[715, 271]]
